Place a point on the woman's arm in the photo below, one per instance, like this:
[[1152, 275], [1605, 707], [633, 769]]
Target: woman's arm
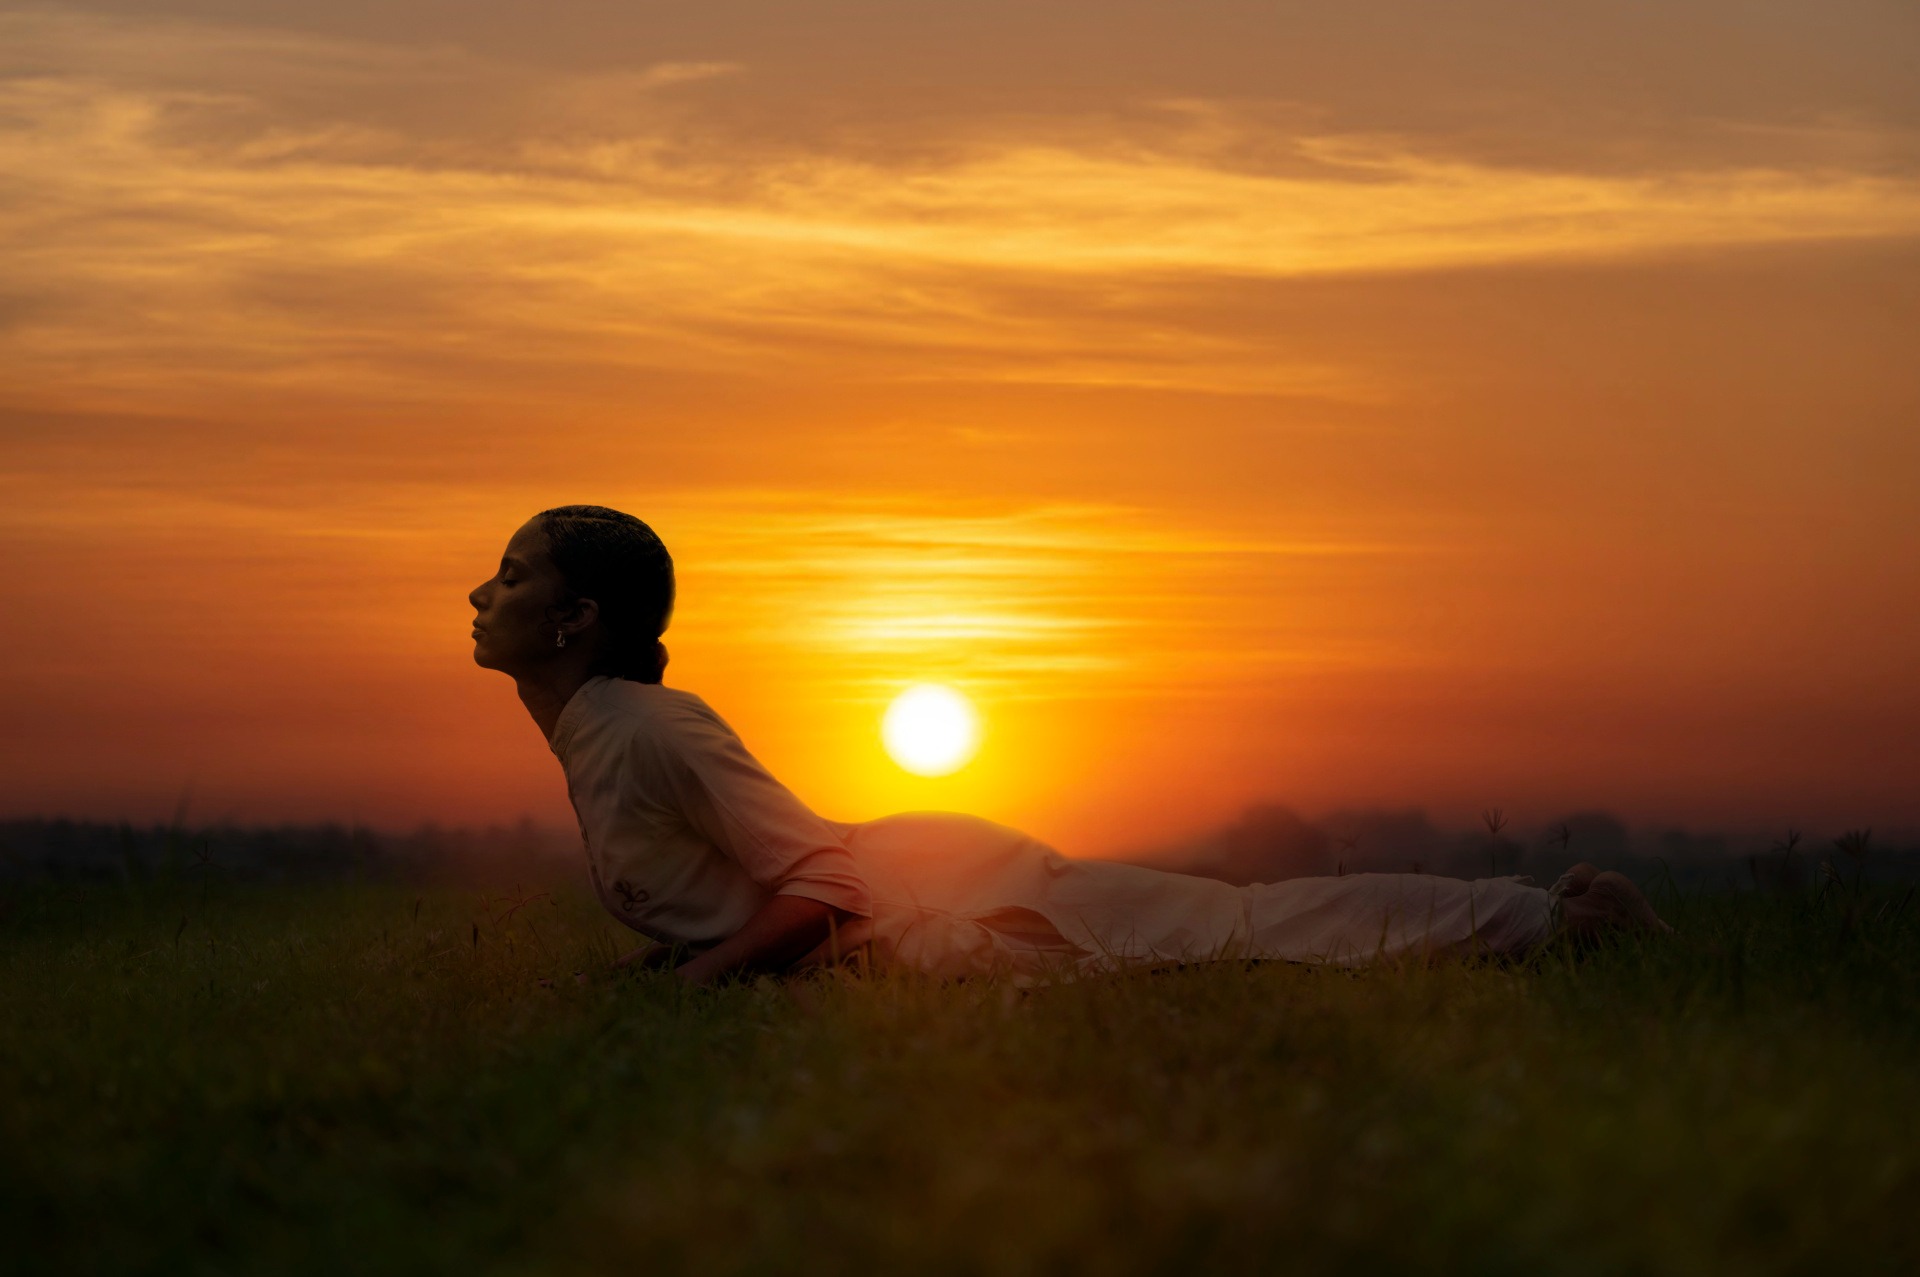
[[784, 930]]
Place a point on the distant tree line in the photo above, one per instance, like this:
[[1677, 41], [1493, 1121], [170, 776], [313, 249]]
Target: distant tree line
[[1271, 843], [1267, 843], [96, 851]]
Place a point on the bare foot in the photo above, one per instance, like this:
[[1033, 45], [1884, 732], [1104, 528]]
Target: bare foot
[[1610, 902], [1575, 881]]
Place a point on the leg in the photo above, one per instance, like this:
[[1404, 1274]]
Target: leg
[[1363, 918]]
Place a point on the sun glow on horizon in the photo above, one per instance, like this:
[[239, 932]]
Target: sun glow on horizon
[[931, 730]]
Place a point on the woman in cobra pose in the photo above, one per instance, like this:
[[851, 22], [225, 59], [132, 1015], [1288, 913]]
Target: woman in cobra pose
[[693, 844]]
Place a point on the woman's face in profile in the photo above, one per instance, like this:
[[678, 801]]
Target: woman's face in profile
[[513, 624]]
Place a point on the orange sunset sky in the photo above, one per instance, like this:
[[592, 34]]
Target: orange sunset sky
[[1482, 404]]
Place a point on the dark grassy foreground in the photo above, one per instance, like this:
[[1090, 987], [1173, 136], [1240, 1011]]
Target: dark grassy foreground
[[331, 1079]]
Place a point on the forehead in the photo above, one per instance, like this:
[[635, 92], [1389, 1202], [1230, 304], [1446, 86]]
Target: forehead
[[528, 544]]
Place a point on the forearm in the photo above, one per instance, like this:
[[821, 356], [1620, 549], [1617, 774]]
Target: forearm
[[783, 931]]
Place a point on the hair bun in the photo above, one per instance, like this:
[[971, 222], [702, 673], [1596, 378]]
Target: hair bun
[[618, 562]]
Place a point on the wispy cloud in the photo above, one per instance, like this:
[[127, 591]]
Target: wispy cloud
[[1025, 600], [183, 214], [991, 594]]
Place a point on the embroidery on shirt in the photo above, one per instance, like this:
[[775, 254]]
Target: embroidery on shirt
[[629, 898]]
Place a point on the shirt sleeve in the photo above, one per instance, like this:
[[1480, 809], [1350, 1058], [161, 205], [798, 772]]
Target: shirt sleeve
[[733, 802]]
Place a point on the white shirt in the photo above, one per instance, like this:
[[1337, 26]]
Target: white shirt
[[687, 835]]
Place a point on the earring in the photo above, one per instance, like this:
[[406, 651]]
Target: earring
[[559, 638]]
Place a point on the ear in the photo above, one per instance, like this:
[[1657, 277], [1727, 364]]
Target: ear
[[578, 617]]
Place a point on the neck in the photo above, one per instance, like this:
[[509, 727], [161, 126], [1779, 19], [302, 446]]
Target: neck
[[547, 692]]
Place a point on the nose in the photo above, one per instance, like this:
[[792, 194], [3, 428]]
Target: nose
[[477, 599]]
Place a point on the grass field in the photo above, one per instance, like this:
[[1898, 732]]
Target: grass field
[[364, 1078]]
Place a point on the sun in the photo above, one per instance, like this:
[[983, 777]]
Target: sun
[[930, 730]]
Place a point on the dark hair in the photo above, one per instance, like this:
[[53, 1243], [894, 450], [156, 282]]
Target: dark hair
[[618, 562]]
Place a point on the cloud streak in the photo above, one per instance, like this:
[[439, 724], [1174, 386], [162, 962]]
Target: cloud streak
[[998, 596], [192, 219]]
